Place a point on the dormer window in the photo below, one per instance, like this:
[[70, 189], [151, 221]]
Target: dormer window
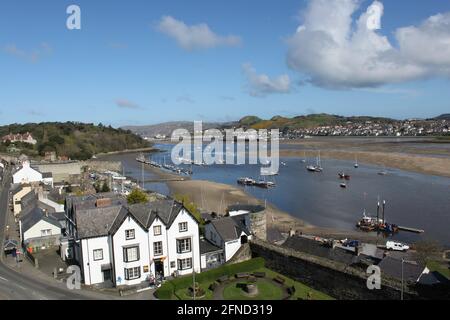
[[129, 234], [183, 226]]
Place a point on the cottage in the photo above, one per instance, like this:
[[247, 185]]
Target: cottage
[[38, 229], [211, 256], [26, 174], [228, 233]]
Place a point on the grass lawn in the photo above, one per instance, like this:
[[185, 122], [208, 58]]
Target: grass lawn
[[267, 291], [182, 294], [441, 267], [301, 290]]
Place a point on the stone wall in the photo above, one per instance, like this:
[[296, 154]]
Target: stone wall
[[335, 279], [258, 224], [100, 165], [62, 171], [243, 254]]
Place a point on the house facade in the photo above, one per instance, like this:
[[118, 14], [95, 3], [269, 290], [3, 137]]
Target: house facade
[[25, 138], [17, 196], [131, 244]]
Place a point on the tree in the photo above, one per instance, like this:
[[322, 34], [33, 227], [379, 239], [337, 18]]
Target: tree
[[137, 196], [427, 250], [105, 187]]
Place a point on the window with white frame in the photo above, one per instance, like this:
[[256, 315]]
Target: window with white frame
[[184, 264], [157, 230], [129, 234], [46, 232], [98, 254], [183, 245], [158, 248], [132, 273], [183, 226], [131, 254]]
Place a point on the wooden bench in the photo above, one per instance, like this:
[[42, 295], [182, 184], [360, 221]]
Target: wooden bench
[[259, 274], [242, 275], [291, 290], [279, 279]]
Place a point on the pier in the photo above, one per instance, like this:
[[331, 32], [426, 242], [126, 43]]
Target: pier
[[414, 230]]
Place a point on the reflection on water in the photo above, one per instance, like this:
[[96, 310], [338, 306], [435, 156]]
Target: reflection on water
[[413, 200]]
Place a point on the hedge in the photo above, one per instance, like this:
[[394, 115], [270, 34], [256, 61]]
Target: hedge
[[167, 290]]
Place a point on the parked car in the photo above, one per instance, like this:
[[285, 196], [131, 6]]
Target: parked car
[[396, 246]]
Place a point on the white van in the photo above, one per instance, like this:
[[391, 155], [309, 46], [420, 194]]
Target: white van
[[396, 246]]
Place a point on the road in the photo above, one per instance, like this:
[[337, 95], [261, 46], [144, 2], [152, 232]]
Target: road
[[18, 286]]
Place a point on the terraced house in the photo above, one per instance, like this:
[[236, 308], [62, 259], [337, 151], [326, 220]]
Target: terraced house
[[129, 244]]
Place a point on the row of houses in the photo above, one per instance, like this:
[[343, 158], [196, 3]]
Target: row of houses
[[19, 137]]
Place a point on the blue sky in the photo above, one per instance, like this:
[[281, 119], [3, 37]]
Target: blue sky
[[125, 65]]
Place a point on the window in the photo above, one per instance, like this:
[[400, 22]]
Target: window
[[172, 264], [98, 254], [132, 273], [157, 230], [130, 254], [46, 232], [129, 234], [183, 226], [158, 248], [184, 264], [184, 245]]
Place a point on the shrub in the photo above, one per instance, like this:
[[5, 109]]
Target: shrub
[[165, 292]]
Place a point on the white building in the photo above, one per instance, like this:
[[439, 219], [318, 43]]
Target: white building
[[26, 174], [228, 233], [130, 244], [36, 227]]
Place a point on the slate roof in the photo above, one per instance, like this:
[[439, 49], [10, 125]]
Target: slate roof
[[393, 267], [207, 247], [29, 200], [97, 222], [228, 228], [166, 210], [315, 248], [34, 216]]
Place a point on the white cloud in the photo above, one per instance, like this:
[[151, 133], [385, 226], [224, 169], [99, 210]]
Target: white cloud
[[198, 36], [260, 85], [332, 53], [126, 104], [33, 55]]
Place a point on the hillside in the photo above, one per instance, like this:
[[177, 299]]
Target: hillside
[[307, 121], [74, 140], [445, 116]]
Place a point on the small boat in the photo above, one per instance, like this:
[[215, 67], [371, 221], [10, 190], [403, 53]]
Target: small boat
[[383, 172], [356, 165], [315, 168], [343, 185], [342, 175], [246, 181]]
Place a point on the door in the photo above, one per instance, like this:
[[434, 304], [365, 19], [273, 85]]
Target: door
[[159, 268], [106, 275]]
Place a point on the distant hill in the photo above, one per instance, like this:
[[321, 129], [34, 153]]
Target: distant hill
[[167, 128], [75, 140], [445, 116], [307, 121]]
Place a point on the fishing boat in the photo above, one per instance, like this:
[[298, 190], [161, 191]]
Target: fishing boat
[[368, 223]]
